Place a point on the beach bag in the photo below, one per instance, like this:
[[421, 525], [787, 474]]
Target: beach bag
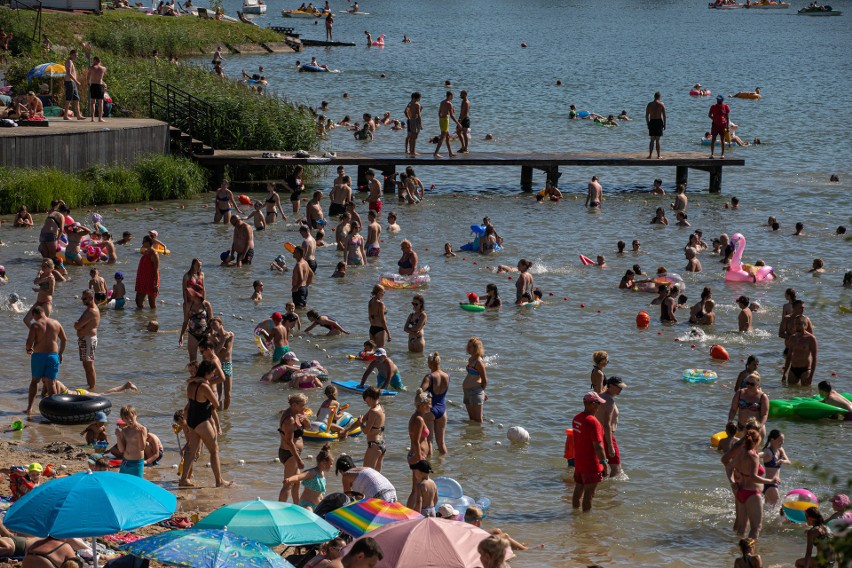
[[19, 483]]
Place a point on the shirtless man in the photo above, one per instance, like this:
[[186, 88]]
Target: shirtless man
[[132, 439], [680, 199], [595, 194], [374, 199], [72, 86], [655, 119], [424, 493], [45, 345], [374, 232], [242, 245], [153, 449], [524, 284], [414, 124], [667, 306], [745, 318], [87, 336], [463, 129], [97, 88], [607, 415], [446, 112], [313, 211], [801, 362], [309, 247], [302, 278], [340, 194], [787, 327], [834, 398]]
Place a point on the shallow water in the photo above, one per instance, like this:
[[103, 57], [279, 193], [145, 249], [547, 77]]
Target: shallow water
[[674, 510]]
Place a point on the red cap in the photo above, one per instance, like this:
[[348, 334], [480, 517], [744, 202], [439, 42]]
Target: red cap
[[277, 316]]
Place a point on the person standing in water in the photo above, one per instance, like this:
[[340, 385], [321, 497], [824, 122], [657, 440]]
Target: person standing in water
[[87, 336], [414, 123], [607, 414], [589, 456], [446, 112], [655, 119], [524, 285], [463, 129], [595, 194]]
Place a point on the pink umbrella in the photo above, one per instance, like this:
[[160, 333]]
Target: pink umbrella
[[429, 543]]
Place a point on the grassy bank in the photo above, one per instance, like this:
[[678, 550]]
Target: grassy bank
[[149, 179]]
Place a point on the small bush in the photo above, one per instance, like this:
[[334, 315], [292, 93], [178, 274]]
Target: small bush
[[169, 177]]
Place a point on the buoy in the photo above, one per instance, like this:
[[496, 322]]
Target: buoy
[[523, 44], [518, 435], [174, 466], [242, 462], [276, 460], [500, 426], [643, 319], [491, 420], [719, 352], [582, 305], [498, 443]]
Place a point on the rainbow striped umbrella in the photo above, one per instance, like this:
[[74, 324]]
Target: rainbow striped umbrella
[[361, 517]]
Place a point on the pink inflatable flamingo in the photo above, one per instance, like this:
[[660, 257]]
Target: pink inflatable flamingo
[[740, 272], [380, 42]]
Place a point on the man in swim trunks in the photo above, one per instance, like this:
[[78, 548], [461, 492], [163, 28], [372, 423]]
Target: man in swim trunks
[[309, 247], [302, 278], [387, 373], [589, 455], [72, 84], [720, 115], [374, 232], [313, 211], [595, 194], [97, 88], [607, 415], [340, 194], [463, 129], [655, 118], [87, 336], [446, 112], [374, 199], [800, 364], [45, 345], [242, 245], [414, 123]]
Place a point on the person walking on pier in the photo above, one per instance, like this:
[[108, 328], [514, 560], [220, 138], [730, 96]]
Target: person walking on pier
[[72, 84], [446, 112], [655, 118]]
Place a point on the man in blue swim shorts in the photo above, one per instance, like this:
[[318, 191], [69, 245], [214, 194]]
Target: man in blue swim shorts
[[45, 345]]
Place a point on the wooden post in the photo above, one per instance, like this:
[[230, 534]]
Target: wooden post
[[362, 178], [389, 174], [681, 175], [526, 178], [217, 176], [716, 179], [553, 174]]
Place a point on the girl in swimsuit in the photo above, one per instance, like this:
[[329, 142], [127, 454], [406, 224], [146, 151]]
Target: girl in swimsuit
[[202, 404], [774, 457], [196, 320], [331, 324], [418, 432], [408, 262], [290, 428], [475, 380], [749, 476], [193, 277], [52, 229], [46, 283], [437, 383], [750, 402], [379, 332], [273, 204], [414, 326], [224, 201], [355, 253], [23, 218], [601, 360], [373, 424], [492, 298], [818, 552], [313, 480], [749, 559]]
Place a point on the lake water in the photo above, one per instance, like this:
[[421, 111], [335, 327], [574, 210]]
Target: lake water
[[675, 509]]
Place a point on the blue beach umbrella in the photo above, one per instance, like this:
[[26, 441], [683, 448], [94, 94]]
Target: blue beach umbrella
[[49, 70], [202, 548], [270, 523], [90, 505]]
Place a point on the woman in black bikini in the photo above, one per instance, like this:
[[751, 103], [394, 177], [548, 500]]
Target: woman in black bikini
[[197, 314], [273, 204], [414, 326], [296, 187], [224, 201], [373, 425], [52, 229], [408, 262], [600, 359], [50, 552], [202, 402], [750, 402], [379, 332], [291, 429]]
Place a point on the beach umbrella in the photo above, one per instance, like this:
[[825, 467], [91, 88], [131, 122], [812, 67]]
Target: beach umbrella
[[366, 515], [204, 548], [48, 70], [270, 523], [90, 505], [429, 543]]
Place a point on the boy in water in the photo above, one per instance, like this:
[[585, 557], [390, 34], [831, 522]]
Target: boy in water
[[693, 264], [424, 492], [291, 318], [96, 431], [118, 291], [257, 296], [223, 344], [126, 237], [340, 271], [279, 264], [817, 266], [257, 216], [98, 285], [131, 443]]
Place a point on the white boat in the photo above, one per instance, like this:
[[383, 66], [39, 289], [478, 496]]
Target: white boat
[[254, 7]]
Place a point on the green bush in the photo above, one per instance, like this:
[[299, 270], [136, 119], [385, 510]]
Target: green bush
[[151, 178]]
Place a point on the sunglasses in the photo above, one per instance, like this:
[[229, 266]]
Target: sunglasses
[[750, 384]]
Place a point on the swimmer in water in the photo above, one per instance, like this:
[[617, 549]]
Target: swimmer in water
[[660, 217], [800, 230], [392, 225], [448, 250], [818, 267], [658, 187], [623, 116], [681, 220], [693, 264], [636, 246]]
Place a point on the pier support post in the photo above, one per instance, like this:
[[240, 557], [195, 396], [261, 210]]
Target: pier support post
[[681, 175], [389, 175], [362, 178], [716, 179], [217, 176], [526, 178], [553, 174]]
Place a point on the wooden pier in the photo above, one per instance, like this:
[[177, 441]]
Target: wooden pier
[[548, 162]]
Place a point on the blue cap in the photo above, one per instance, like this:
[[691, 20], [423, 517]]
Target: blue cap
[[720, 98], [101, 417], [119, 276]]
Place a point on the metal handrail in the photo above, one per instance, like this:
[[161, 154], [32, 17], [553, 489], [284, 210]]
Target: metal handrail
[[183, 110]]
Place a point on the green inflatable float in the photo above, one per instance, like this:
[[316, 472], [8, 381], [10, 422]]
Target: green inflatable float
[[807, 408]]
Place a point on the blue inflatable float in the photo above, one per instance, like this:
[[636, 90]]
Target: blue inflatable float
[[478, 231]]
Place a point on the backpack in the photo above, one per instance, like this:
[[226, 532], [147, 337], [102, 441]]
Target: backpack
[[19, 483]]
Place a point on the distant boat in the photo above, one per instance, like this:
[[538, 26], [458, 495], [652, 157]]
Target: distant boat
[[768, 5], [819, 11], [304, 14], [724, 6], [254, 7]]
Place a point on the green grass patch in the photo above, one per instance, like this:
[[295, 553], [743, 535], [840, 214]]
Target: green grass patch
[[151, 178]]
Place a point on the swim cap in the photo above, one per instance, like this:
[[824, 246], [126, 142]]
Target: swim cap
[[277, 316], [35, 467], [119, 276], [2, 268]]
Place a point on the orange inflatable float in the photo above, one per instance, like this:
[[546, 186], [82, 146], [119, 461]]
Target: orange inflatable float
[[244, 199], [719, 352], [643, 319]]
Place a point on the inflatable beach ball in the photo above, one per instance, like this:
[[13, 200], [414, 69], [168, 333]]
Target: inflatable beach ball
[[643, 319], [796, 502], [518, 435]]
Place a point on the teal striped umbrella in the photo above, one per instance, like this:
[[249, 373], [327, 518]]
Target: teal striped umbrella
[[202, 548]]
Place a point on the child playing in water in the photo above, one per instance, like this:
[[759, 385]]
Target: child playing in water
[[96, 431], [98, 285], [369, 351], [279, 264], [681, 219], [330, 406], [601, 262], [313, 480], [320, 238], [126, 237], [257, 296], [23, 218], [258, 216], [725, 443], [118, 291], [817, 266], [340, 271], [330, 324], [424, 492], [448, 250], [291, 318], [800, 230], [392, 225]]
